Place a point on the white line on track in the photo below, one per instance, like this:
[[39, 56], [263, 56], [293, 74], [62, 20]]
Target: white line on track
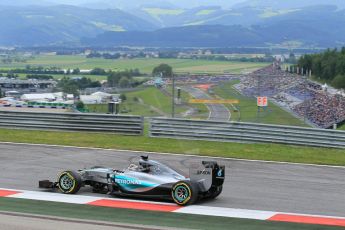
[[192, 209], [174, 154], [226, 212]]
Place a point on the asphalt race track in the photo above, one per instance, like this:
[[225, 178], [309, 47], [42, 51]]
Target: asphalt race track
[[17, 221], [218, 112], [249, 185]]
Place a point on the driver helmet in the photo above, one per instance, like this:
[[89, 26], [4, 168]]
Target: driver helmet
[[144, 166]]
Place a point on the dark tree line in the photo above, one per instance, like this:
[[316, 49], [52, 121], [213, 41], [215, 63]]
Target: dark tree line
[[328, 66], [72, 86], [35, 70], [10, 75], [163, 70], [123, 79], [39, 77], [116, 55], [32, 70], [104, 55]]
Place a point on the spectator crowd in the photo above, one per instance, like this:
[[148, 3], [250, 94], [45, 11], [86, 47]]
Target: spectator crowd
[[297, 93]]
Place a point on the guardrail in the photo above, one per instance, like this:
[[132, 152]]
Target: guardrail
[[37, 106], [128, 125], [245, 132]]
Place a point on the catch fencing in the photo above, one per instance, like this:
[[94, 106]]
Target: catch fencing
[[128, 125], [245, 132]]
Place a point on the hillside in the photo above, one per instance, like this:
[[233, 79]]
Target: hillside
[[189, 36], [290, 4], [246, 15], [41, 25], [318, 26], [246, 24]]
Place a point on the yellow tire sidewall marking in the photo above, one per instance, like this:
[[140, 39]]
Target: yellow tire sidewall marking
[[71, 177], [189, 191]]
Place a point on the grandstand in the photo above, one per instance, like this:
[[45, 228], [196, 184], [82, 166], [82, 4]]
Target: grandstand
[[298, 94]]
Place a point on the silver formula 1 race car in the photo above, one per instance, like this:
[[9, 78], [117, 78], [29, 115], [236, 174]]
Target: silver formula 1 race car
[[147, 179]]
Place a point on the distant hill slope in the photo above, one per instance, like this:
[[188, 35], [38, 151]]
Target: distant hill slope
[[190, 36], [317, 26], [40, 25], [288, 4], [313, 26], [246, 15]]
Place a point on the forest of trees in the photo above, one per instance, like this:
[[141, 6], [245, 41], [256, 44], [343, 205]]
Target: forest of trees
[[328, 66], [123, 79], [163, 69], [68, 85]]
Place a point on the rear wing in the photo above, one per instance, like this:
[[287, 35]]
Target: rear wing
[[208, 174]]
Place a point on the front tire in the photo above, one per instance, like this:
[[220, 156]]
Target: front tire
[[184, 193], [69, 182]]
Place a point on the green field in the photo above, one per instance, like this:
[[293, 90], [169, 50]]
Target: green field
[[271, 152], [148, 218], [248, 110], [148, 101], [202, 111], [145, 65]]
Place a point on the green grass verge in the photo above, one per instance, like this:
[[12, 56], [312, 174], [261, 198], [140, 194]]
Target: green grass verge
[[144, 217], [248, 110], [150, 96], [202, 111], [342, 127], [271, 152]]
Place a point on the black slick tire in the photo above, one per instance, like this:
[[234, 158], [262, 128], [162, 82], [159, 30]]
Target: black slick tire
[[184, 193], [216, 191], [69, 182]]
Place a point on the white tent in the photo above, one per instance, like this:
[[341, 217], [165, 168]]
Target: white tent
[[91, 99], [36, 97], [58, 94], [102, 94]]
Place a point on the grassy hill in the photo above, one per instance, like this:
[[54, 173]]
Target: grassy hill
[[251, 24], [42, 25], [290, 4]]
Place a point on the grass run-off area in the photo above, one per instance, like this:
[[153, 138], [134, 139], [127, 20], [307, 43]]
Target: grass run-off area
[[148, 218], [341, 127], [150, 101], [270, 152], [247, 110], [145, 65]]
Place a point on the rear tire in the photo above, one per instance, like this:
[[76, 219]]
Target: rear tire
[[216, 191], [69, 182], [184, 193]]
